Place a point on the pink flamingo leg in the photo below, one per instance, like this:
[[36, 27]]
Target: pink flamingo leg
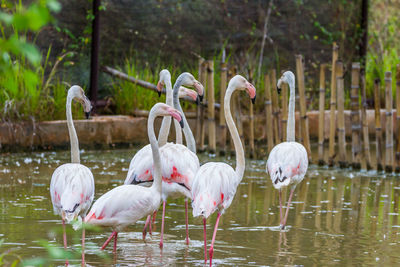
[[108, 240], [187, 222], [205, 240], [154, 216], [162, 226], [213, 238], [83, 243], [287, 209], [150, 228], [65, 239], [145, 227], [280, 206], [115, 242]]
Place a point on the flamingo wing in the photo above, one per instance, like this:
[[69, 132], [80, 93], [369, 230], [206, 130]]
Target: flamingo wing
[[140, 167], [214, 187], [122, 206], [287, 164], [72, 190]]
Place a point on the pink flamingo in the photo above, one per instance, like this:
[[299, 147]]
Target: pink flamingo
[[215, 183], [126, 204], [72, 184], [287, 163], [180, 163]]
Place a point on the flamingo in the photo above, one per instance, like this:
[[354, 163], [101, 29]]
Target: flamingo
[[72, 184], [126, 204], [215, 183], [180, 163], [287, 162]]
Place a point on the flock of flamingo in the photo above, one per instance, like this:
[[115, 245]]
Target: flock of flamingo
[[162, 170]]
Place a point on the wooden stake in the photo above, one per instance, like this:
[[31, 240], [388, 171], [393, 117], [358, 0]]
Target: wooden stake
[[199, 107], [222, 123], [203, 81], [389, 122], [398, 118], [366, 151], [340, 114], [268, 113], [321, 117], [332, 128], [275, 107], [378, 125], [210, 107], [251, 111], [355, 117], [303, 109]]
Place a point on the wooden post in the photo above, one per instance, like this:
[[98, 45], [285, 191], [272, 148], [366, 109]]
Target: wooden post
[[398, 118], [321, 117], [203, 81], [210, 107], [389, 122], [355, 117], [275, 107], [378, 125], [94, 54], [332, 128], [198, 109], [251, 115], [340, 114], [222, 123], [367, 154], [268, 113], [303, 109], [284, 117]]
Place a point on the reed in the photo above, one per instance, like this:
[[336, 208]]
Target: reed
[[366, 150], [210, 108], [355, 116], [321, 117], [332, 128], [251, 118], [389, 122], [397, 157], [340, 115], [268, 113], [378, 125], [275, 107], [222, 123], [203, 80]]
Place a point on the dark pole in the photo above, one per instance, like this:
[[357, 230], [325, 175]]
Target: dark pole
[[364, 33], [94, 56]]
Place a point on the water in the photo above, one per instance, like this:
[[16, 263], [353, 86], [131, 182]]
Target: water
[[338, 217]]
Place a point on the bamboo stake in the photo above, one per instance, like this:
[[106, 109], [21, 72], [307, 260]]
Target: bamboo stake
[[275, 107], [340, 114], [198, 109], [284, 117], [268, 113], [378, 126], [332, 128], [203, 80], [210, 108], [303, 109], [355, 116], [398, 117], [321, 117], [251, 141], [222, 123], [389, 122], [366, 151]]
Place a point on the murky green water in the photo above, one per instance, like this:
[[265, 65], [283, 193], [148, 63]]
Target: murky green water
[[338, 217]]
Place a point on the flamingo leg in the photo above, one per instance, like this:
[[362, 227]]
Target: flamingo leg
[[83, 243], [287, 209], [211, 252], [145, 227], [150, 228], [205, 240], [154, 216], [187, 222], [108, 240], [162, 225], [115, 242], [64, 239], [280, 206]]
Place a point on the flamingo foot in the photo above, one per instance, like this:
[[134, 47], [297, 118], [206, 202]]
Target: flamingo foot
[[211, 253]]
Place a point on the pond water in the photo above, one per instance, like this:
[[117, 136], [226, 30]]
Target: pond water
[[338, 217]]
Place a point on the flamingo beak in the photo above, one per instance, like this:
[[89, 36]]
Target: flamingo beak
[[200, 89], [198, 100], [251, 90], [176, 115], [159, 88], [279, 90], [87, 114]]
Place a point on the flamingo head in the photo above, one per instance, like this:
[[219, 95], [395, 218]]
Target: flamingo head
[[186, 92], [165, 77], [77, 93], [189, 80], [162, 109], [239, 82], [287, 77]]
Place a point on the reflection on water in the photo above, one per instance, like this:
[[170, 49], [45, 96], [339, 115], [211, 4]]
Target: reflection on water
[[337, 216]]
